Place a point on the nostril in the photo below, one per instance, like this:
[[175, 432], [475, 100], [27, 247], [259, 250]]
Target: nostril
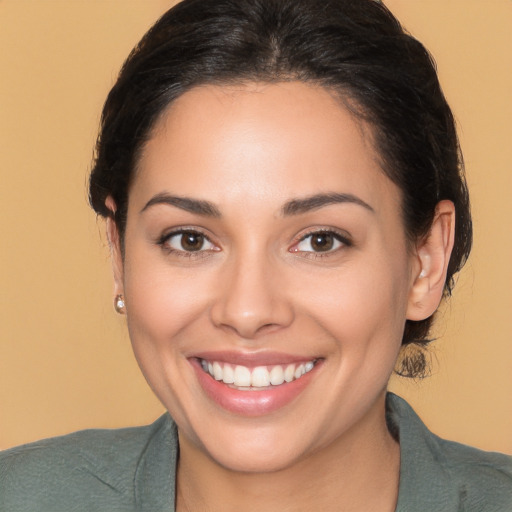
[[250, 304], [268, 328]]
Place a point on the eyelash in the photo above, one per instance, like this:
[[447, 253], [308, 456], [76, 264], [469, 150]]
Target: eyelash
[[342, 239], [163, 242]]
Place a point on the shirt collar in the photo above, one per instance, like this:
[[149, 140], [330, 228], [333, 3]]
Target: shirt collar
[[424, 480], [155, 475]]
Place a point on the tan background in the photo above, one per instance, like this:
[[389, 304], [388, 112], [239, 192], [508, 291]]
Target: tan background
[[65, 359]]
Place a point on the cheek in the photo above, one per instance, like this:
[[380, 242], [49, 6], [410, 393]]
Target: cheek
[[165, 312], [161, 303], [362, 306], [162, 310]]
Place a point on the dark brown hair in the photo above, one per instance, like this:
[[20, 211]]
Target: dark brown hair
[[356, 48]]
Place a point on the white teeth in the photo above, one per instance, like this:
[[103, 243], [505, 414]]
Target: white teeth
[[276, 376], [229, 375], [217, 371], [259, 377], [289, 373], [242, 376]]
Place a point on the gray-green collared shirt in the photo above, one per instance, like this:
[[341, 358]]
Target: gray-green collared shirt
[[133, 469]]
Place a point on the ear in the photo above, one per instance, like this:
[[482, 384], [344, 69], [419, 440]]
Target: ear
[[431, 264], [114, 243]]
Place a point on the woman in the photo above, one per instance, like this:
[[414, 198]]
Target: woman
[[286, 207]]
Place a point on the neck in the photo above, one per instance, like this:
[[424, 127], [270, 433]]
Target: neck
[[358, 472]]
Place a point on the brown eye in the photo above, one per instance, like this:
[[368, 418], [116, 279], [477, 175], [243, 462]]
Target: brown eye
[[188, 241], [192, 241], [322, 242]]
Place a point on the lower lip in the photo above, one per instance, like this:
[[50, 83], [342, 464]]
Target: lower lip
[[251, 403]]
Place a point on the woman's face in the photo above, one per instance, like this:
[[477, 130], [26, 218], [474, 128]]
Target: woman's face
[[265, 248]]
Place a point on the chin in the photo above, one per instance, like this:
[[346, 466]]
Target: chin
[[252, 449], [267, 460]]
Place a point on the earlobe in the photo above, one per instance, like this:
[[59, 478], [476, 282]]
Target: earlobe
[[433, 255], [114, 243]]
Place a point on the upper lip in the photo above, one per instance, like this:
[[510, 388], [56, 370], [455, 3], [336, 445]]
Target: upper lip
[[253, 359]]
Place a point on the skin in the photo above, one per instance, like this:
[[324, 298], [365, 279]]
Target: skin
[[258, 285]]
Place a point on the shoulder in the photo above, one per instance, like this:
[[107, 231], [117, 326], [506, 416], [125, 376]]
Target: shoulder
[[484, 479], [84, 470], [437, 474]]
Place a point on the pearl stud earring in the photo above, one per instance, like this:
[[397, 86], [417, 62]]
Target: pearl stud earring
[[119, 304]]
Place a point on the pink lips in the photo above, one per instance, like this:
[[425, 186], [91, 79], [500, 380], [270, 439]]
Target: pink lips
[[250, 402]]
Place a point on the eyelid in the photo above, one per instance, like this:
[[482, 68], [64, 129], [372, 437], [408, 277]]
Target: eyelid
[[164, 238], [342, 237]]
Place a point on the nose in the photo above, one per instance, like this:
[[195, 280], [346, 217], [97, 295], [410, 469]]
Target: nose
[[252, 299]]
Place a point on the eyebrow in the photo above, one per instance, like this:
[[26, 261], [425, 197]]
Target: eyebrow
[[188, 204], [293, 207], [306, 204]]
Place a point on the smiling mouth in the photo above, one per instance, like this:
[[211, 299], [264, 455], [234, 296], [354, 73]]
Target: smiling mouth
[[244, 378]]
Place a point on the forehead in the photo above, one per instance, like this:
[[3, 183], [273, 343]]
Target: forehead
[[260, 141]]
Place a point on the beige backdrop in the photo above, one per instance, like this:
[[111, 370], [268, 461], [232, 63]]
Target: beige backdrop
[[65, 358]]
